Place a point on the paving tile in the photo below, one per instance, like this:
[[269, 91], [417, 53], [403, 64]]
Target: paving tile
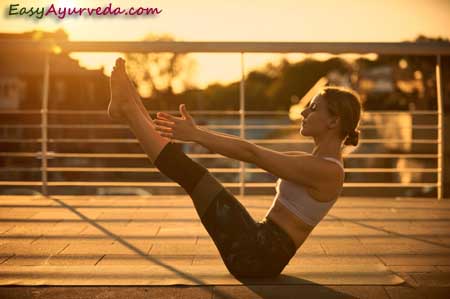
[[332, 249], [88, 247], [415, 259], [401, 292], [129, 231], [5, 257], [402, 248], [409, 280], [117, 215], [59, 214], [90, 213], [4, 227], [58, 243], [310, 248], [17, 242], [31, 254], [193, 249], [28, 229], [182, 230], [32, 249], [28, 260], [74, 259], [151, 259], [19, 213], [175, 240], [207, 259], [19, 238], [396, 239], [441, 279], [414, 268], [128, 247]]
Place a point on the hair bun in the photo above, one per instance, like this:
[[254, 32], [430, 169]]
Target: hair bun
[[352, 138]]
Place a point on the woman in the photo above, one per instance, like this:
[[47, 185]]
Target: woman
[[309, 184]]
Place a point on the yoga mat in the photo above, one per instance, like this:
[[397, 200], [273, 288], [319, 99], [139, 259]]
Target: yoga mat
[[364, 274]]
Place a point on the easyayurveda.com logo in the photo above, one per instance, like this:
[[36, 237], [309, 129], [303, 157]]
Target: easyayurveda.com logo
[[62, 12]]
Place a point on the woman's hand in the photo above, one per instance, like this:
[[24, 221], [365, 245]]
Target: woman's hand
[[181, 128]]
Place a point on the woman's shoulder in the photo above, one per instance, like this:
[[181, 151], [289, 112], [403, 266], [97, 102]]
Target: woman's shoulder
[[335, 160]]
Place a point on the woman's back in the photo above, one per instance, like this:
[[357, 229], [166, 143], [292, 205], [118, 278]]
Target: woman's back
[[296, 210]]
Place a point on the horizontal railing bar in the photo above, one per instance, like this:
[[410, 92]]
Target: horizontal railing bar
[[394, 170], [213, 170], [390, 185], [212, 112], [18, 154], [247, 127], [257, 141], [15, 111], [387, 48], [115, 155], [170, 184]]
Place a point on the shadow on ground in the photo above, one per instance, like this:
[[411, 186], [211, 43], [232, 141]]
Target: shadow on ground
[[304, 289]]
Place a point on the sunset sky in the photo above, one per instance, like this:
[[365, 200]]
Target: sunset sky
[[237, 20]]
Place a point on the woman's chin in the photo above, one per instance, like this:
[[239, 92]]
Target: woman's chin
[[304, 132]]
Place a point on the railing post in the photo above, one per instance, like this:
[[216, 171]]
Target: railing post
[[44, 123], [242, 123], [440, 108]]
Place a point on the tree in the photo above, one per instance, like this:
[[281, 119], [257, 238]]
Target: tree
[[296, 79], [160, 74]]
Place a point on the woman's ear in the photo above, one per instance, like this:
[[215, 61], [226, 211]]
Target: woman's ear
[[334, 122]]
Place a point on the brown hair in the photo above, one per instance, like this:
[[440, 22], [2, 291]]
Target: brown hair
[[346, 104]]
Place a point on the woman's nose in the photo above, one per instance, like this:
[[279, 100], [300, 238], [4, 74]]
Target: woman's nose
[[304, 113]]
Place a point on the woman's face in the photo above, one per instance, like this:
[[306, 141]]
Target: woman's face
[[316, 118]]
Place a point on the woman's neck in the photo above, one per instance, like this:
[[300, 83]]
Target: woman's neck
[[327, 147]]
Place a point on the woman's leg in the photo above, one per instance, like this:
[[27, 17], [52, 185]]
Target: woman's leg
[[124, 107], [233, 230], [248, 248], [228, 223]]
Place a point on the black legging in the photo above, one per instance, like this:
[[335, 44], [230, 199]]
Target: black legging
[[248, 248]]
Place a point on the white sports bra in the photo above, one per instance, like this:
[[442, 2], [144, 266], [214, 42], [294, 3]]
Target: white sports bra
[[296, 199]]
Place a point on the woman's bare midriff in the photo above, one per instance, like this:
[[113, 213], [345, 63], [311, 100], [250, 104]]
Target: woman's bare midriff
[[291, 224]]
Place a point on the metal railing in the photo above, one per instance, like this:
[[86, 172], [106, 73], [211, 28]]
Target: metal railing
[[45, 47]]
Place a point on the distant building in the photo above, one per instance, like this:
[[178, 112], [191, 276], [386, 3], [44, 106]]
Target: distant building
[[71, 86]]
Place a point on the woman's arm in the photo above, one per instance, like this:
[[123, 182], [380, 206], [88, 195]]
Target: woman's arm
[[184, 128], [303, 169], [298, 167], [224, 144]]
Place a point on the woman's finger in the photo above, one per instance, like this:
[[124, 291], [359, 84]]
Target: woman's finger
[[184, 112], [164, 123], [161, 117], [167, 116], [163, 129]]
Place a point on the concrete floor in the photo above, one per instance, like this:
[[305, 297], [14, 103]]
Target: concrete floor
[[411, 237]]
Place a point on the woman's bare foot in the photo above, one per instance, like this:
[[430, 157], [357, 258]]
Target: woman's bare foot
[[120, 63], [121, 101], [116, 99]]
